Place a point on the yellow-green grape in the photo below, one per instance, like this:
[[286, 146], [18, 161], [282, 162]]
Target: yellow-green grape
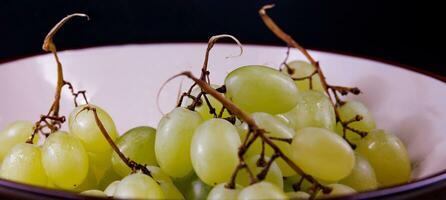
[[362, 177], [65, 160], [313, 109], [214, 150], [90, 182], [259, 88], [388, 157], [301, 69], [203, 108], [172, 142], [289, 181], [274, 128], [100, 163], [192, 187], [111, 189], [220, 192], [337, 190], [138, 186], [15, 133], [322, 154], [109, 176], [23, 164], [298, 195], [84, 126], [262, 190], [169, 189], [348, 111], [138, 144], [273, 176], [94, 193]]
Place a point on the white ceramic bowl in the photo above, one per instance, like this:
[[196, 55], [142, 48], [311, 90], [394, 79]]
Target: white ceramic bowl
[[124, 80]]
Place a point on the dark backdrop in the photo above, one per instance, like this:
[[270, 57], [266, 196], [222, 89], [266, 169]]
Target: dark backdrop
[[400, 31]]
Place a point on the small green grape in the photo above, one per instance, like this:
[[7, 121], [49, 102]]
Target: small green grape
[[220, 192], [262, 190], [348, 111], [138, 186], [273, 176], [362, 177], [301, 69], [15, 133]]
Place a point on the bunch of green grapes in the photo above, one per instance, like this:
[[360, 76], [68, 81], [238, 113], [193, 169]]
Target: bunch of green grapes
[[264, 134]]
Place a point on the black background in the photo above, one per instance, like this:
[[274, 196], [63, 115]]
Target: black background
[[400, 31]]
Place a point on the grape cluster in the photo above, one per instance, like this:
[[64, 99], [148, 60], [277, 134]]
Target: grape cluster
[[263, 134]]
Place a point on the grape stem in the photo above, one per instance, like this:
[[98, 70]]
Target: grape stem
[[327, 87], [256, 133], [134, 166], [52, 120]]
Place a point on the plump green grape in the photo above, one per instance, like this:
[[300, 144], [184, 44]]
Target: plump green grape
[[220, 192], [337, 190], [111, 189], [203, 108], [298, 195], [273, 176], [65, 160], [362, 177], [301, 69], [138, 144], [214, 150], [388, 157], [347, 112], [258, 88], [23, 164], [172, 142], [84, 126], [274, 128], [262, 190], [313, 109], [169, 189], [138, 186], [192, 187], [15, 133], [322, 154], [95, 193]]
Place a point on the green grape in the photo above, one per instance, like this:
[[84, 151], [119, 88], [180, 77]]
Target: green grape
[[15, 133], [94, 193], [109, 176], [65, 160], [274, 128], [362, 177], [214, 150], [348, 111], [203, 108], [173, 139], [111, 189], [192, 187], [169, 189], [220, 192], [138, 145], [273, 176], [100, 162], [289, 181], [322, 154], [262, 190], [23, 164], [90, 182], [388, 157], [138, 186], [259, 88], [337, 190], [301, 69], [313, 109], [84, 126], [298, 195]]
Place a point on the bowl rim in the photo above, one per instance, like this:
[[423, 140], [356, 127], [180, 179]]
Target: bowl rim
[[428, 183]]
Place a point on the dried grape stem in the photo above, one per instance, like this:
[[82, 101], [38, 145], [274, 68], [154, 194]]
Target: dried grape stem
[[134, 166], [257, 132], [327, 87]]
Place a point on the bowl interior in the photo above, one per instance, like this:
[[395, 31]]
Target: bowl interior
[[124, 80]]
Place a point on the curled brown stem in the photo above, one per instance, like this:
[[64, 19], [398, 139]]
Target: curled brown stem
[[257, 132], [134, 166], [327, 87]]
